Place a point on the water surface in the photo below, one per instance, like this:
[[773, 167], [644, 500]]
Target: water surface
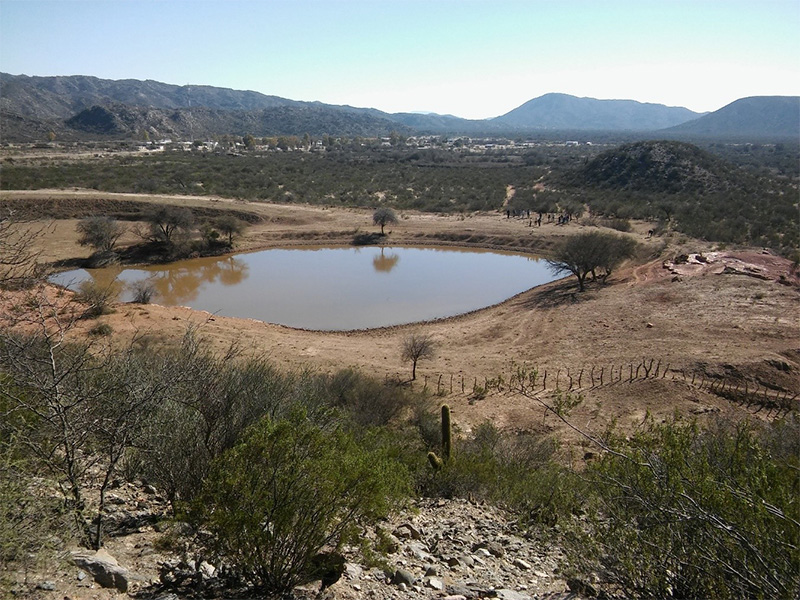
[[334, 288]]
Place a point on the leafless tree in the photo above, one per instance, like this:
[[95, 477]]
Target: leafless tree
[[18, 254], [417, 346]]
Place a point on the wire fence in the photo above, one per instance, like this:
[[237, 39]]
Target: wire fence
[[746, 392]]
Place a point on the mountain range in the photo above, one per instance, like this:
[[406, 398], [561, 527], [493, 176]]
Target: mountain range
[[83, 107]]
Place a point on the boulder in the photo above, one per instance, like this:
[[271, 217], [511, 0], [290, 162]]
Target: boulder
[[104, 568]]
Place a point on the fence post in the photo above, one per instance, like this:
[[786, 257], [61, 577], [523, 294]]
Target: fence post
[[580, 375]]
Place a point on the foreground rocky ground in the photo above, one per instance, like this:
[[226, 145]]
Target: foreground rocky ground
[[434, 549]]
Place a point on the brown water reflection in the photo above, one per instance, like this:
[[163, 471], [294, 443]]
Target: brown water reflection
[[385, 262], [335, 288]]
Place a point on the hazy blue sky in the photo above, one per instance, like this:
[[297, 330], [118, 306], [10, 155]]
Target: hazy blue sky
[[474, 59]]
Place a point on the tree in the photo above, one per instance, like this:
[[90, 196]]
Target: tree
[[230, 226], [586, 253], [417, 346], [18, 255], [287, 491], [166, 221], [384, 216], [101, 233]]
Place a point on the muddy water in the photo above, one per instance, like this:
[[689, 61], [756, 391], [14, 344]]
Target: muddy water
[[334, 288]]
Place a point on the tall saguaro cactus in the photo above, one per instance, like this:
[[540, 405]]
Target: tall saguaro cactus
[[447, 439]]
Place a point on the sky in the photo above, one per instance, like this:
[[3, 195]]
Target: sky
[[471, 58]]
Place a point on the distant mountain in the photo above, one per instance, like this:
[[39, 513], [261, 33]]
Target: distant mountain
[[79, 107], [565, 112], [660, 167], [62, 97], [769, 117], [122, 120]]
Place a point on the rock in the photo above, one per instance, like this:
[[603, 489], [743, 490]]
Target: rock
[[495, 549], [459, 589], [453, 562], [47, 586], [584, 588], [403, 577], [434, 583], [518, 562], [353, 571], [466, 560], [511, 595], [431, 571], [419, 552], [455, 597], [104, 568], [483, 552]]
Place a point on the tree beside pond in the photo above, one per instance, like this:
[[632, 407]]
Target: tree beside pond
[[101, 233], [590, 252], [384, 216], [417, 346]]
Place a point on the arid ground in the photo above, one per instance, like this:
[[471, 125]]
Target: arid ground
[[655, 338]]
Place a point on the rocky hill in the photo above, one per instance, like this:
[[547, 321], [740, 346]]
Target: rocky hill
[[565, 112], [768, 117], [658, 167]]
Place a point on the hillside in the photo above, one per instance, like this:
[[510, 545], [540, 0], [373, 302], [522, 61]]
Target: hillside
[[562, 111], [658, 167], [770, 117], [120, 120], [690, 190], [49, 98]]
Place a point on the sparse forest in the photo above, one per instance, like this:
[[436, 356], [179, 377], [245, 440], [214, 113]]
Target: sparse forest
[[727, 193]]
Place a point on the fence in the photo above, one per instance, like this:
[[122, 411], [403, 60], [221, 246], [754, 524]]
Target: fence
[[739, 390]]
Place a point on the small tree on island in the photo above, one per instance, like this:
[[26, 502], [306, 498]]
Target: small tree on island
[[383, 216], [417, 346]]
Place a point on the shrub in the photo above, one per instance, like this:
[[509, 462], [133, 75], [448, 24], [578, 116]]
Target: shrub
[[143, 291], [101, 233], [682, 513], [288, 490], [97, 297], [101, 330]]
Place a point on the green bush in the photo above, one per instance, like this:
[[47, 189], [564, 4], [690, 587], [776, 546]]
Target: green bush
[[287, 491], [682, 513], [517, 472]]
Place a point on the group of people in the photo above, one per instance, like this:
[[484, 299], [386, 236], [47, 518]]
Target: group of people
[[561, 219]]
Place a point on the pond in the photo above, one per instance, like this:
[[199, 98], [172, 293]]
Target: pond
[[333, 289]]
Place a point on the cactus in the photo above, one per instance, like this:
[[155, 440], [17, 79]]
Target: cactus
[[446, 432], [435, 461]]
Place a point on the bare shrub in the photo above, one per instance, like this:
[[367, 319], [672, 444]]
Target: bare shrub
[[143, 291]]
